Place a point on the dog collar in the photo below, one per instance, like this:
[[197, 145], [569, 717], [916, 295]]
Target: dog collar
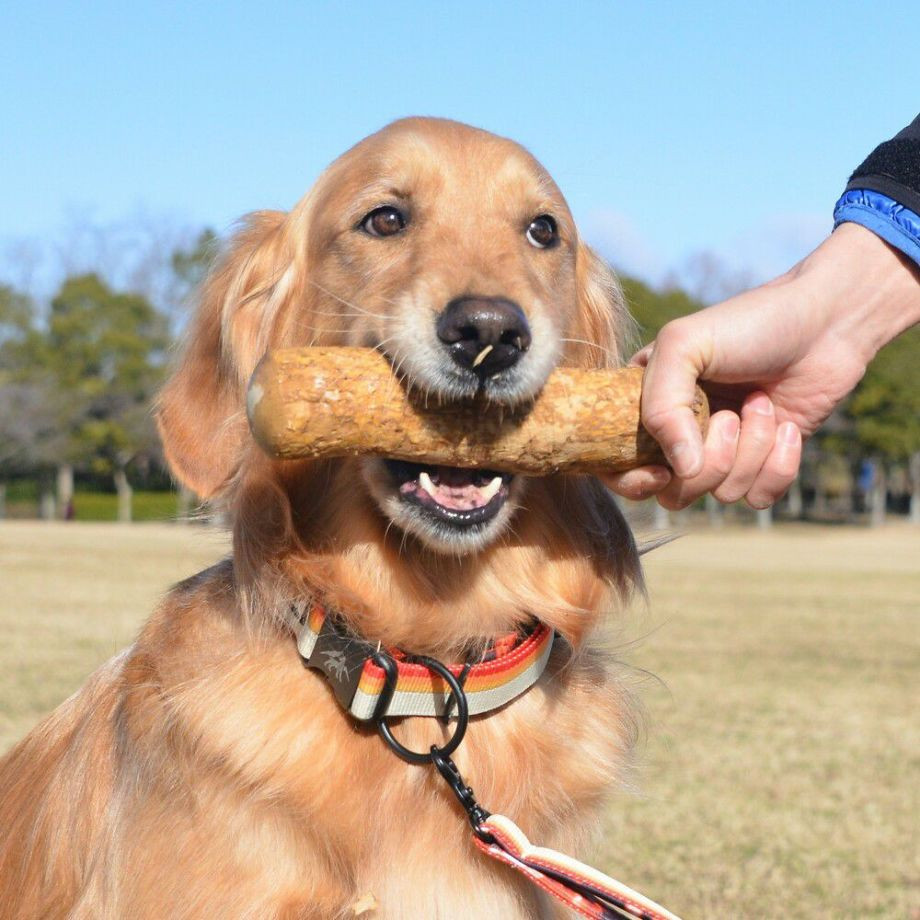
[[371, 682]]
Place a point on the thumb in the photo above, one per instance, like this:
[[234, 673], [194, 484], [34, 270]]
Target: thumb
[[640, 358], [674, 365]]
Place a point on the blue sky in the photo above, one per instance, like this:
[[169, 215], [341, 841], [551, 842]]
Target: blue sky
[[670, 127]]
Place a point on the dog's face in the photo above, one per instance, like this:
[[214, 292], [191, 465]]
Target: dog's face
[[451, 251]]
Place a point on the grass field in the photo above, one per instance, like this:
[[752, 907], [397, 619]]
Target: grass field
[[779, 772]]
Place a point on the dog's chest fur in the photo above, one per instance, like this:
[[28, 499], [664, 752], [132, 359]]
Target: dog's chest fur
[[236, 786]]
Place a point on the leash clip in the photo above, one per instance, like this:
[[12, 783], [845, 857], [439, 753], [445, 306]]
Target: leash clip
[[439, 756], [474, 811]]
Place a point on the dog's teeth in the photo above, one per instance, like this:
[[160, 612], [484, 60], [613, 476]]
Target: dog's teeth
[[424, 480], [488, 493]]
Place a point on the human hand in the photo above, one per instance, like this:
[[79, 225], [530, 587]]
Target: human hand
[[775, 362]]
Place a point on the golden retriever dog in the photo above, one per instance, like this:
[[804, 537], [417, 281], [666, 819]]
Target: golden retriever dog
[[204, 772]]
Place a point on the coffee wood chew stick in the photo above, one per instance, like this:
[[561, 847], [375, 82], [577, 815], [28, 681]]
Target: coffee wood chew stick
[[335, 402]]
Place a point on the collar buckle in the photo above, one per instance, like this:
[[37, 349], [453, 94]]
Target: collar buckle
[[340, 656]]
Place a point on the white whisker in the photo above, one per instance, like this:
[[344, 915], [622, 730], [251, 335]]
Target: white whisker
[[347, 303], [381, 343], [343, 313], [607, 351]]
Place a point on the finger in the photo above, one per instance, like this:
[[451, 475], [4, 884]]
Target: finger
[[668, 391], [642, 482], [718, 458], [780, 469], [758, 434]]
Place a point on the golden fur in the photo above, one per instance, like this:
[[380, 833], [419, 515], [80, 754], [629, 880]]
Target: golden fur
[[204, 772]]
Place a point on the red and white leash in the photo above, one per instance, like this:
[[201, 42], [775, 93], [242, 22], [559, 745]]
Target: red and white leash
[[582, 888], [373, 684], [579, 886]]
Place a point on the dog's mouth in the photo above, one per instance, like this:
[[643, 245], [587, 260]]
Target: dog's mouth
[[448, 509], [451, 496]]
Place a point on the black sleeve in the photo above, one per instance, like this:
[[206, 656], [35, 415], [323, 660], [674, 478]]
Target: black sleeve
[[893, 168]]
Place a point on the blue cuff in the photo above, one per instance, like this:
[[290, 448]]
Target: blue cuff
[[883, 216]]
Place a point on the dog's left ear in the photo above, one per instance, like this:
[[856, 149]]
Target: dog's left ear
[[199, 412], [602, 326]]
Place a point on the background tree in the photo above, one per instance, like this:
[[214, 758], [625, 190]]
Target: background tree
[[708, 278], [885, 412], [190, 265], [105, 353], [15, 323], [652, 308], [28, 433]]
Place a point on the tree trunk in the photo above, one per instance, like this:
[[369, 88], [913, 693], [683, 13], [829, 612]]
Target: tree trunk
[[879, 496], [914, 473], [819, 506], [46, 506], [794, 499], [125, 495], [65, 490], [714, 511]]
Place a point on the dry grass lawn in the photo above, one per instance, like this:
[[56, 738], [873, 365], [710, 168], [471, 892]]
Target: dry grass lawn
[[778, 775]]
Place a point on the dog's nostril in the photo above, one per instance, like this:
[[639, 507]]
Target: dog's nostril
[[484, 334]]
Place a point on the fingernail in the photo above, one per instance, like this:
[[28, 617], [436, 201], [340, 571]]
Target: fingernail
[[788, 433], [761, 404], [731, 428], [683, 458]]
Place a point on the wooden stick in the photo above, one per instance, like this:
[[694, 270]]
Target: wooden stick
[[334, 402]]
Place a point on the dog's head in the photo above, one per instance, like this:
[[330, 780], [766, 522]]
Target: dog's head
[[453, 252]]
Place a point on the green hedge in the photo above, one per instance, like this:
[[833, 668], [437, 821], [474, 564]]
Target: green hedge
[[22, 501], [103, 506]]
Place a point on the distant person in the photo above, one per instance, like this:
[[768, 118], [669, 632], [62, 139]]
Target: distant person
[[777, 359]]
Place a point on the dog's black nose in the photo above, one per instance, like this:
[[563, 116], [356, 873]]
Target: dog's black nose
[[484, 334]]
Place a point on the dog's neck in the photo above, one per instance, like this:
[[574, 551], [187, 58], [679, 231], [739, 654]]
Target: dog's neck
[[395, 592]]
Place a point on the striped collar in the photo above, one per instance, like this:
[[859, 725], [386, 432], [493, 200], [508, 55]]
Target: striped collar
[[371, 683]]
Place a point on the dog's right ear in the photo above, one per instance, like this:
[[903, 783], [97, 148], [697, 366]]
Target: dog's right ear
[[200, 413], [602, 325]]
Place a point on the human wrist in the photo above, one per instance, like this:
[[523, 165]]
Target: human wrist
[[857, 288]]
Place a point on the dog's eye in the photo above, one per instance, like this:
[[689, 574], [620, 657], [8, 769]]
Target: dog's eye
[[542, 232], [385, 221]]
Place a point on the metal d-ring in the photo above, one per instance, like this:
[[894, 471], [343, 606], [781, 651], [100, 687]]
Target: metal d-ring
[[462, 717]]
